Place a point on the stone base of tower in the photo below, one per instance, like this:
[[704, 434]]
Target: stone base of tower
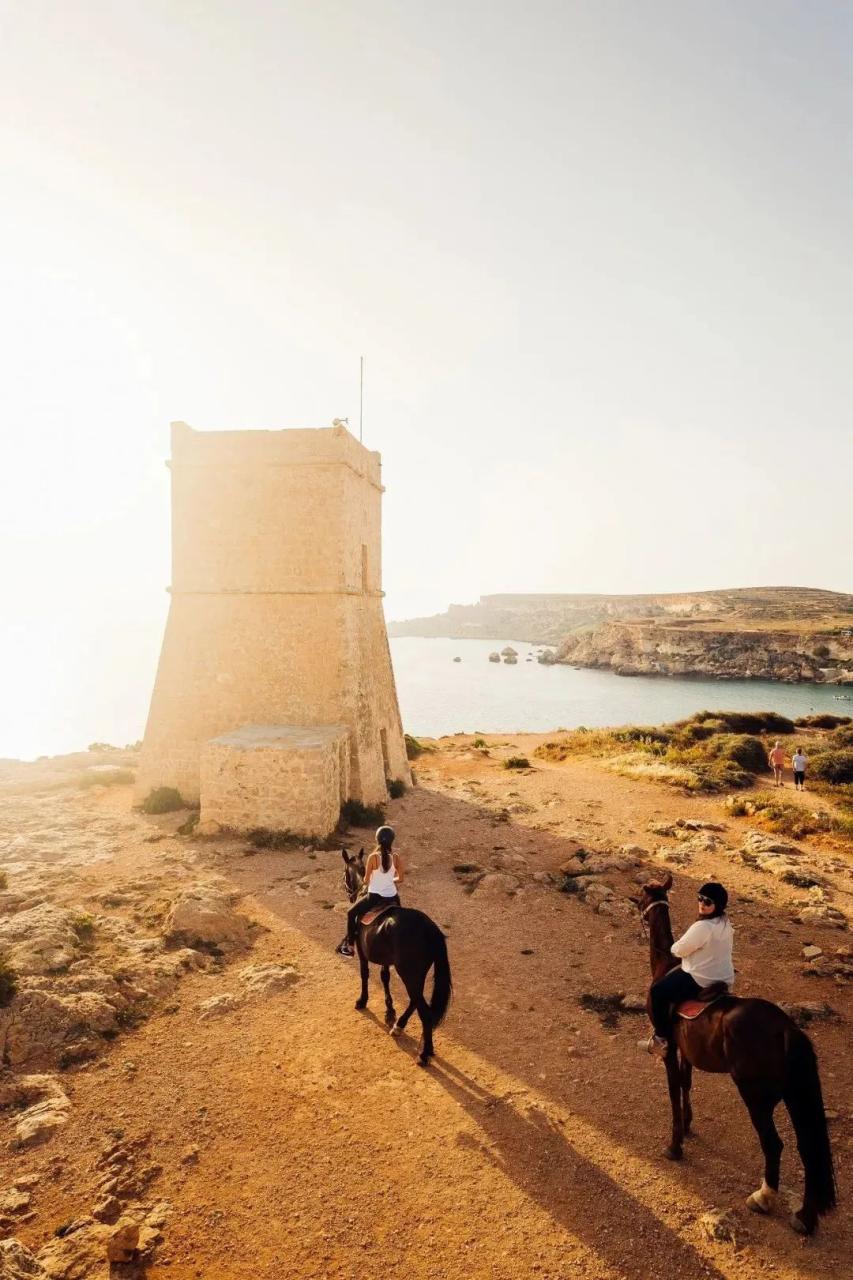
[[281, 777]]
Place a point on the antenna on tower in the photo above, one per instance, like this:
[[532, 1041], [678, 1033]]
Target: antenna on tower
[[361, 398]]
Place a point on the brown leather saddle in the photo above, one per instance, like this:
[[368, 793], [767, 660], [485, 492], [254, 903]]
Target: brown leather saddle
[[691, 1009], [370, 917]]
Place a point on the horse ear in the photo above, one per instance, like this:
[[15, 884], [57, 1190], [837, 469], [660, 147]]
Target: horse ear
[[361, 855], [666, 884], [345, 856]]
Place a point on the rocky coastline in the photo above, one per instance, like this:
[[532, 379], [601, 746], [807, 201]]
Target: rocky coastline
[[790, 634]]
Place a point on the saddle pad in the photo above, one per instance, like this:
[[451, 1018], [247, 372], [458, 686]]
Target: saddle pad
[[691, 1009], [370, 917]]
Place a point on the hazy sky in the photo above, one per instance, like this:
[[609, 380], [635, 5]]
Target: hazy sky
[[596, 254]]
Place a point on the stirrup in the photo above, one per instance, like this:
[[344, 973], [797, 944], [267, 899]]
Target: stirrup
[[655, 1045]]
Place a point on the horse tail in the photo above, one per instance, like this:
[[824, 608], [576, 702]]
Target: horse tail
[[803, 1098], [442, 983]]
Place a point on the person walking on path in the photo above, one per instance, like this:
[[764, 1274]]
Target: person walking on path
[[799, 760], [777, 760]]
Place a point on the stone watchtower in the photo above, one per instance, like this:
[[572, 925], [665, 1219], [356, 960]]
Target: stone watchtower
[[275, 644]]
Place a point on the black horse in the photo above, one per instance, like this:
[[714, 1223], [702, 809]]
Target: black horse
[[412, 943]]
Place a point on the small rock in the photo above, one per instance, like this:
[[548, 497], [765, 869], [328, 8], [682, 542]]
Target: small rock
[[14, 1201], [17, 1263], [720, 1226], [107, 1210], [267, 979], [216, 1006], [123, 1241], [811, 952], [496, 884], [189, 1155]]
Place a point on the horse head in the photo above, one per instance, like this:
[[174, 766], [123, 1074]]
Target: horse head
[[654, 891], [353, 873]]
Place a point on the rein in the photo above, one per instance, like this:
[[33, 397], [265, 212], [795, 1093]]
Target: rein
[[658, 902]]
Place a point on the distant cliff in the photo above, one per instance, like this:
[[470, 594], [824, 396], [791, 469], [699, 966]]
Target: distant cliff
[[771, 633]]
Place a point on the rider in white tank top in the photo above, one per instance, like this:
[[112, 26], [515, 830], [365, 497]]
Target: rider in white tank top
[[384, 882], [381, 884]]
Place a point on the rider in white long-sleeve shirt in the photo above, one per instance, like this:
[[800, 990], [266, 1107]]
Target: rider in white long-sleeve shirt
[[705, 952]]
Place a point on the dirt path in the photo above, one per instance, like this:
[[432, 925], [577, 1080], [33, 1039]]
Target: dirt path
[[295, 1138]]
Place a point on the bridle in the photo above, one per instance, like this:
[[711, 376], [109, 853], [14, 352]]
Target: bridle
[[658, 902], [351, 882]]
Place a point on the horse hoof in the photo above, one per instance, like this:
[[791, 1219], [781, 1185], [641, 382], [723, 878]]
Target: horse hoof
[[396, 1030], [801, 1228], [761, 1201], [390, 1019], [422, 1061], [360, 1004], [673, 1153]]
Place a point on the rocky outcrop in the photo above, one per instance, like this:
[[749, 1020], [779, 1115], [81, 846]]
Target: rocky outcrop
[[559, 619], [205, 919], [647, 647]]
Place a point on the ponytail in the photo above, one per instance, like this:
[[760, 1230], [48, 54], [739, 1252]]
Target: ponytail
[[384, 851]]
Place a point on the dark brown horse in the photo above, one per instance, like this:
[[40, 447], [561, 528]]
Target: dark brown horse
[[770, 1061], [410, 942]]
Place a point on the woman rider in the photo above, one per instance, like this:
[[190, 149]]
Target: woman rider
[[383, 871], [705, 952]]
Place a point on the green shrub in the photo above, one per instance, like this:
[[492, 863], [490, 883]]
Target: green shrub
[[265, 838], [832, 766], [8, 982], [163, 800], [396, 788], [747, 721], [823, 720], [356, 814], [84, 926], [743, 750], [479, 742], [516, 762], [101, 746], [843, 736], [413, 747]]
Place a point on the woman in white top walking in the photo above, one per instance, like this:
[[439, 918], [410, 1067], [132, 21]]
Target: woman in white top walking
[[705, 952], [799, 760], [383, 871]]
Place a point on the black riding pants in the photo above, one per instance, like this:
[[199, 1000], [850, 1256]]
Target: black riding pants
[[365, 904], [671, 989]]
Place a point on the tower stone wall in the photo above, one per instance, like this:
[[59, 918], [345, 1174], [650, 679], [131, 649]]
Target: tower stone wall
[[276, 614]]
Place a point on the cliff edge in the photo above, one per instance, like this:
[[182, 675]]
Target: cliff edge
[[768, 633]]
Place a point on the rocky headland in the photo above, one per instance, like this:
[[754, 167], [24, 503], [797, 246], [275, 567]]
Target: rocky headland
[[768, 633]]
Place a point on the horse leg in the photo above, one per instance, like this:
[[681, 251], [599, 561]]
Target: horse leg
[[361, 1002], [390, 1015], [761, 1104], [415, 987], [426, 1022], [673, 1080], [686, 1084], [400, 1024]]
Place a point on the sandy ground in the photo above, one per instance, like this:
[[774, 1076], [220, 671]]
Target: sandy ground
[[294, 1137]]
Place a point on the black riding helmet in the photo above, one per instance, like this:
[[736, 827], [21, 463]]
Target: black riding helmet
[[717, 894], [385, 837]]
